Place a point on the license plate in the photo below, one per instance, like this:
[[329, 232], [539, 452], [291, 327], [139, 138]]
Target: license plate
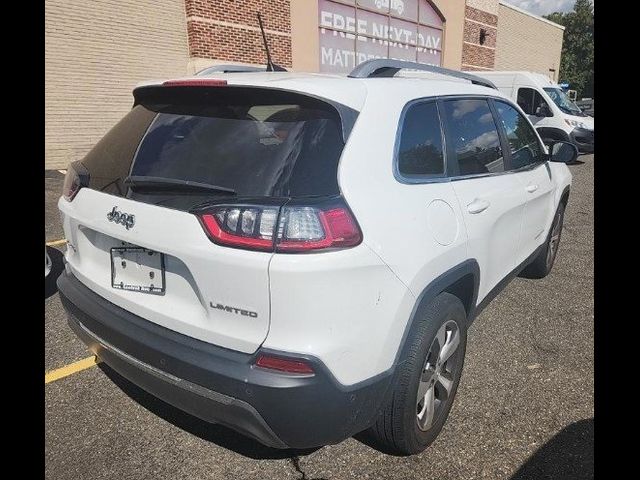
[[137, 269]]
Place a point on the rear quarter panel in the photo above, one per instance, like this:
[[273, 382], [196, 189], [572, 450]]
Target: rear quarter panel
[[413, 234], [346, 308], [417, 229]]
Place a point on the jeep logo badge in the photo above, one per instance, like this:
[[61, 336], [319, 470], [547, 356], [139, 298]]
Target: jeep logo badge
[[122, 218]]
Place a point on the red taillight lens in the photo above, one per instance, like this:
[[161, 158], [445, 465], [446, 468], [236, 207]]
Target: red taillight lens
[[75, 178], [300, 228], [250, 227], [202, 82], [286, 365]]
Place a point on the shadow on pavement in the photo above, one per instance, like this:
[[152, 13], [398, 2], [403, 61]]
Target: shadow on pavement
[[214, 433], [57, 266], [567, 456]]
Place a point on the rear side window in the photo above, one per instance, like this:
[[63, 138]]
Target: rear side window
[[523, 142], [255, 142], [474, 137], [420, 151]]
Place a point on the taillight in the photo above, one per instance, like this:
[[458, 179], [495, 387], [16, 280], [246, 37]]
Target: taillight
[[310, 228], [288, 229], [76, 177], [286, 365], [250, 227]]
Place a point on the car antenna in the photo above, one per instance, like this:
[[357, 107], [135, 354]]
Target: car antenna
[[271, 67]]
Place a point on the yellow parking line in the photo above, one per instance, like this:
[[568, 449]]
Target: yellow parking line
[[70, 369], [55, 243]]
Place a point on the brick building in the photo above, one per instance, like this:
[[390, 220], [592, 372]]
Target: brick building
[[97, 51]]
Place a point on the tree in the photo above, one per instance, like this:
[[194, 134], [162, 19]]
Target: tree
[[576, 65]]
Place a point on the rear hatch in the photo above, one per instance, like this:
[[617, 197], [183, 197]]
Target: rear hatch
[[132, 209]]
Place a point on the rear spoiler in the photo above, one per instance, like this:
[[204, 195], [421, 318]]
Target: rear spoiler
[[147, 90]]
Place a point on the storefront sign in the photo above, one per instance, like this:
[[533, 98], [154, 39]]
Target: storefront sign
[[354, 31]]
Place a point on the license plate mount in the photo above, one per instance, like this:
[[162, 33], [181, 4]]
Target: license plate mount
[[137, 269]]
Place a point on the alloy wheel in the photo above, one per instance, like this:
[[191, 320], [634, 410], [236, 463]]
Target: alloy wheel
[[554, 240], [438, 374]]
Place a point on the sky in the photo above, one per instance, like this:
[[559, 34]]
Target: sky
[[544, 7]]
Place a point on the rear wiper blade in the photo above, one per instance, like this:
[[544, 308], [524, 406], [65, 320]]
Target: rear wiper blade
[[173, 184]]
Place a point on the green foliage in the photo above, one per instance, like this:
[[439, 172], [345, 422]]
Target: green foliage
[[576, 66]]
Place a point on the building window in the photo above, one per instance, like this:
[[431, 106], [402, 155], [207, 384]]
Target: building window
[[483, 36], [353, 31]]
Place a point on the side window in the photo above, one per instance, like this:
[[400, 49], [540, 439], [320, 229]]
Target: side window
[[523, 142], [525, 100], [539, 101], [420, 151], [530, 99], [474, 136]]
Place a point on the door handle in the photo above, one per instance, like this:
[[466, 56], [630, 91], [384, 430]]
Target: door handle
[[478, 206], [532, 188]]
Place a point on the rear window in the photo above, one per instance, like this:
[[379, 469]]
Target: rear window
[[256, 142]]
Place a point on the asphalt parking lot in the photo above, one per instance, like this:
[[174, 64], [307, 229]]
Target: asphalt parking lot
[[524, 408]]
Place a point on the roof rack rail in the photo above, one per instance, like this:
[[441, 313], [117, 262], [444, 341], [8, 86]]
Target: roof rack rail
[[384, 67], [229, 69]]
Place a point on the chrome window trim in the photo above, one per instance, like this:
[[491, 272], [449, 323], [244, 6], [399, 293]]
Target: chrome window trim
[[441, 178]]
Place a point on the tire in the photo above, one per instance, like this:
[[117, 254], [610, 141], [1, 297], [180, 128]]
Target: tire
[[541, 266], [399, 428]]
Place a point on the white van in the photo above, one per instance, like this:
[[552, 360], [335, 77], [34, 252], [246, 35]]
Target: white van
[[548, 107]]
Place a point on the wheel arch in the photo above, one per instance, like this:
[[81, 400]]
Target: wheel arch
[[462, 281], [564, 198]]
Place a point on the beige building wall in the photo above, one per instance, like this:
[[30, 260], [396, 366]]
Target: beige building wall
[[453, 13], [527, 42], [95, 53], [305, 41], [489, 6]]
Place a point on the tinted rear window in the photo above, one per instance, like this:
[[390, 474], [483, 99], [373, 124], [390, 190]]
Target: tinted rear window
[[420, 150], [253, 141]]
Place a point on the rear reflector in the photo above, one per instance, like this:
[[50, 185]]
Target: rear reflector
[[288, 229], [286, 365], [199, 82]]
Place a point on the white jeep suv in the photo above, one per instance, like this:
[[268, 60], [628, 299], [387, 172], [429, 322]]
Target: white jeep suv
[[299, 256]]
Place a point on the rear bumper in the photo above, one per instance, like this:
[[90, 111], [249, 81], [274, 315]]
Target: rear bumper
[[220, 385], [583, 139]]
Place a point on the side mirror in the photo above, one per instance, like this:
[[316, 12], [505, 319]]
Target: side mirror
[[563, 152], [543, 111]]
